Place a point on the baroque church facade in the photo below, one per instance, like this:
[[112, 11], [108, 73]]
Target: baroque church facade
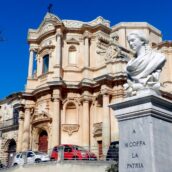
[[76, 69]]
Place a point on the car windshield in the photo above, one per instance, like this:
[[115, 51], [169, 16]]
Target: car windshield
[[79, 148], [39, 153]]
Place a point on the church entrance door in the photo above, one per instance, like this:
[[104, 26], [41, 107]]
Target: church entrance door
[[43, 141]]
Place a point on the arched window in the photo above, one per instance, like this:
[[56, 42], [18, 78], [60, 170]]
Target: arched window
[[72, 55], [45, 64]]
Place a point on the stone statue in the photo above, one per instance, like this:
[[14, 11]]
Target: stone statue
[[143, 71]]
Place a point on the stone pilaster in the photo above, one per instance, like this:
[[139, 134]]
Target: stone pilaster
[[26, 129], [106, 124], [86, 123], [86, 120], [86, 52], [106, 135], [56, 118], [20, 131], [30, 70], [58, 53]]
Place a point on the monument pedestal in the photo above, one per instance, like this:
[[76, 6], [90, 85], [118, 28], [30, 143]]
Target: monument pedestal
[[145, 131]]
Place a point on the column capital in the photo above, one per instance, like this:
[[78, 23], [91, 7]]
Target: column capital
[[87, 34], [56, 95], [86, 98], [33, 49], [56, 99], [106, 92], [59, 32]]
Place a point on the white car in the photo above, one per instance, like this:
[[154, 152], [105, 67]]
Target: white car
[[30, 157]]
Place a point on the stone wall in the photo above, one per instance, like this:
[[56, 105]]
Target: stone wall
[[63, 167], [4, 143]]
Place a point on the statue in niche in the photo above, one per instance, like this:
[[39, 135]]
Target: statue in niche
[[143, 71]]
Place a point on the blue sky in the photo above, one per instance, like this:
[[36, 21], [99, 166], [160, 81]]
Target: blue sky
[[17, 16]]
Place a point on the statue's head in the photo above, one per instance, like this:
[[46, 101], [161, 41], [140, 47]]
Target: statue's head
[[136, 39], [140, 34]]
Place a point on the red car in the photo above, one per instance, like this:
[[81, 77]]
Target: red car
[[71, 152]]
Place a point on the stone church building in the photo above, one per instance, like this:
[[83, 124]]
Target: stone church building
[[76, 69]]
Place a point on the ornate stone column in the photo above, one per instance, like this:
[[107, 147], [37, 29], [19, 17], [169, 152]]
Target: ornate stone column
[[86, 123], [86, 53], [20, 131], [26, 129], [87, 49], [106, 120], [56, 118], [30, 70], [86, 120], [58, 53]]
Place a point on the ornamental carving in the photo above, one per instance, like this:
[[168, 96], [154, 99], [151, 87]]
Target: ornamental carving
[[112, 52], [97, 129], [70, 128], [42, 108]]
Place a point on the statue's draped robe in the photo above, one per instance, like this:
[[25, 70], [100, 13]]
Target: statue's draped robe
[[145, 68]]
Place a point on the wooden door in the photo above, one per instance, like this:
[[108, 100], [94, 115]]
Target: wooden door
[[43, 141]]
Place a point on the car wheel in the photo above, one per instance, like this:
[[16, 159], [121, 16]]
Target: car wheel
[[75, 157], [37, 160]]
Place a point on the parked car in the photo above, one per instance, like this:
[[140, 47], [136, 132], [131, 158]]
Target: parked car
[[30, 157], [113, 152], [71, 152]]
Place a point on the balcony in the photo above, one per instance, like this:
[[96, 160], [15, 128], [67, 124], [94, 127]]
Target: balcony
[[8, 125]]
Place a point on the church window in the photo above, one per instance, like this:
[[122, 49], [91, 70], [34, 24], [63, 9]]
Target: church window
[[72, 55], [45, 63]]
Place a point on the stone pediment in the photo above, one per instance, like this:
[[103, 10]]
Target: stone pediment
[[72, 41], [41, 117], [47, 26]]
